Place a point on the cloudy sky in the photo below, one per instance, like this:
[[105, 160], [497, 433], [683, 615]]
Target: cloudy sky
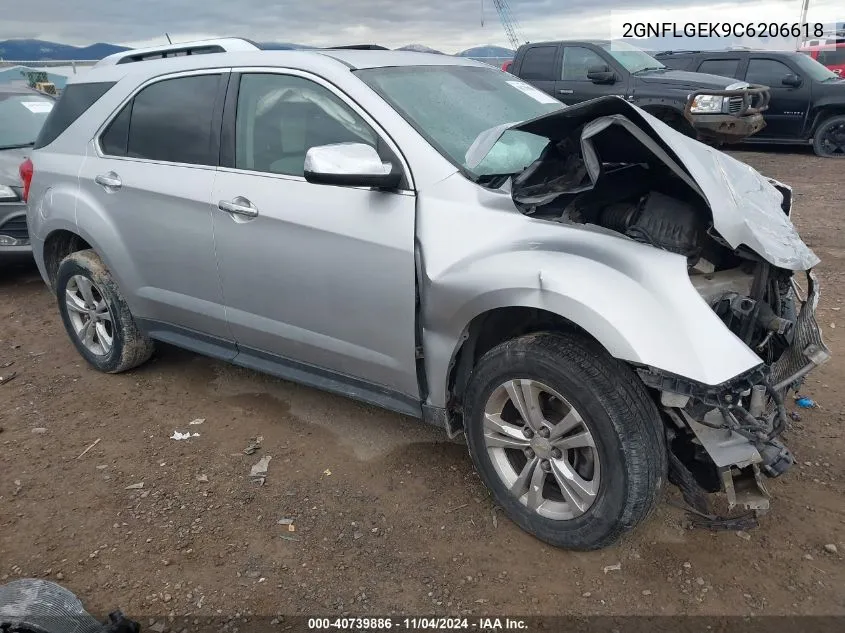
[[450, 25]]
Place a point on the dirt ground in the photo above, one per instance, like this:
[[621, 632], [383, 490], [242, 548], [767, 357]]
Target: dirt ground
[[388, 516]]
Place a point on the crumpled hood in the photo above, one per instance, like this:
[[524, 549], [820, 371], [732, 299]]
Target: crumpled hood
[[10, 161], [745, 206]]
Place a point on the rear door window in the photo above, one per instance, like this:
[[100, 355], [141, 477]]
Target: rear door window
[[75, 100], [721, 67], [539, 63], [169, 121]]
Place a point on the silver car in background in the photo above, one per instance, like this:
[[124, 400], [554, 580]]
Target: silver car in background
[[595, 301], [23, 112]]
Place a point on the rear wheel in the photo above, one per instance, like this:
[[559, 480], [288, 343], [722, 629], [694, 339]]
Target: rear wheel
[[566, 439], [829, 139], [96, 316]]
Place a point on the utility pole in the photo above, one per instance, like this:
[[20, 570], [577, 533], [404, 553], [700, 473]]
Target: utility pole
[[805, 5]]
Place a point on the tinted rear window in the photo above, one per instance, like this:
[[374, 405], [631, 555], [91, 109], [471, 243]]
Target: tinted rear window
[[75, 100], [674, 62], [21, 118], [539, 63], [723, 67], [167, 121]]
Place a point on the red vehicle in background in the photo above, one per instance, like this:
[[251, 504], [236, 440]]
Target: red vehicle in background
[[831, 55], [507, 65]]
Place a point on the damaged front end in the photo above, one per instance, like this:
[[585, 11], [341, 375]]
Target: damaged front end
[[611, 165]]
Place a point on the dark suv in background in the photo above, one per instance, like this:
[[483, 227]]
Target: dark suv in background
[[705, 105], [807, 103]]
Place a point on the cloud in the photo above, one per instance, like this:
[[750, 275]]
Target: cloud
[[450, 25]]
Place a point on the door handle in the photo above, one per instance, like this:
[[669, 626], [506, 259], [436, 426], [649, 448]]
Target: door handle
[[565, 92], [238, 206], [110, 181]]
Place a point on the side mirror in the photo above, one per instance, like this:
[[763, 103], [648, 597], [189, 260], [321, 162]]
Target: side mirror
[[601, 75], [349, 165], [791, 80]]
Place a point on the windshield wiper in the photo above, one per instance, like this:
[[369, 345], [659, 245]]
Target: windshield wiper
[[18, 145], [642, 70]]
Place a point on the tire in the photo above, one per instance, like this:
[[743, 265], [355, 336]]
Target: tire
[[823, 145], [114, 343], [615, 409]]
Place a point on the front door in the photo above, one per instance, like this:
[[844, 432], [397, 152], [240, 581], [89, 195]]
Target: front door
[[150, 175], [318, 279], [789, 104], [573, 86]]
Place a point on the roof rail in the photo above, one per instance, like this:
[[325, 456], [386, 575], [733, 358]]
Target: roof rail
[[361, 47], [220, 45], [664, 53]]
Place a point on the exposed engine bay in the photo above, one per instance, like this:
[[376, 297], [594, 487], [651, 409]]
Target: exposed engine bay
[[609, 173]]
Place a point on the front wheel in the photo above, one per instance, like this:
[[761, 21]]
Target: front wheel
[[566, 438], [829, 139]]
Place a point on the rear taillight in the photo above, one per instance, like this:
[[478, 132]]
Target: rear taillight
[[26, 170]]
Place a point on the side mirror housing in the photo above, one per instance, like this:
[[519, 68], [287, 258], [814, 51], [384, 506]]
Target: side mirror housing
[[349, 165], [601, 75], [791, 80]]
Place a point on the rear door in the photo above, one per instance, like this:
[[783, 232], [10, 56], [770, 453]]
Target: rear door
[[573, 86], [150, 173], [789, 105], [540, 66]]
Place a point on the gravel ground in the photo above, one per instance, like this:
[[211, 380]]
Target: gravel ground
[[364, 511]]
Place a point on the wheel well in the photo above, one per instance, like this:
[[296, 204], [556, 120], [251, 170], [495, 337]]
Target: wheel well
[[825, 113], [488, 330], [672, 117], [57, 246]]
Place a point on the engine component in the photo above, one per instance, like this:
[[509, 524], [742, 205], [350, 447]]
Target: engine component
[[758, 401], [715, 285], [777, 458], [658, 220]]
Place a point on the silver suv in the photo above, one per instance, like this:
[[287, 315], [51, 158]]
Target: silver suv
[[596, 302]]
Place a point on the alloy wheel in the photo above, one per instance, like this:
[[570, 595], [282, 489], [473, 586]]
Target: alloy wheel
[[90, 315], [542, 449]]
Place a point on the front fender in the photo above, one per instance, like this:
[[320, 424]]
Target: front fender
[[650, 315], [636, 300]]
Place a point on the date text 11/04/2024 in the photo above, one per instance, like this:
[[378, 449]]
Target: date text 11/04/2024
[[722, 29], [479, 624]]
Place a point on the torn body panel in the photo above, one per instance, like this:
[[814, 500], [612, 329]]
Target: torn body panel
[[745, 207], [674, 256], [637, 301]]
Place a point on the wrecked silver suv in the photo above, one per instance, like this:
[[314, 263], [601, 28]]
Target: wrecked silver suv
[[596, 301]]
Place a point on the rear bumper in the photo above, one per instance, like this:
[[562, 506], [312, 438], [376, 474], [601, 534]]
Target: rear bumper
[[15, 254], [14, 234]]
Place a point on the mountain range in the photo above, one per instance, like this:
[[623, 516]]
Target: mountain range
[[40, 50]]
